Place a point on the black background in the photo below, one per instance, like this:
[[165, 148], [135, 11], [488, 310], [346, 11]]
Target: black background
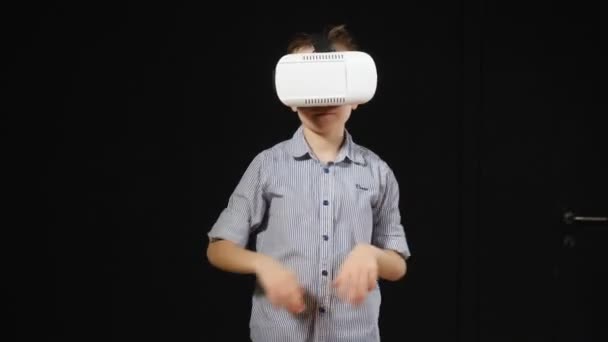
[[134, 123]]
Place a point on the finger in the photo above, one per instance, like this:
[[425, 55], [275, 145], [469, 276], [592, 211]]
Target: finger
[[299, 300], [296, 301], [342, 275], [372, 279], [285, 295], [343, 286], [279, 301], [274, 299], [361, 287], [353, 287], [338, 281]]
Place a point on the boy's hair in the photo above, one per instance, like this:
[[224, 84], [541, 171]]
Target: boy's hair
[[336, 35]]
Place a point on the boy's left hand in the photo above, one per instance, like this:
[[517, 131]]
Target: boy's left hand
[[358, 274]]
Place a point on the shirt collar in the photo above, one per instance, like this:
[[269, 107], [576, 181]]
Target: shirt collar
[[300, 150]]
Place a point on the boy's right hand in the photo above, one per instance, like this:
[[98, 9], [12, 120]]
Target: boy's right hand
[[280, 284]]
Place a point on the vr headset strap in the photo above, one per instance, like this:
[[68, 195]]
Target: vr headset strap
[[321, 43]]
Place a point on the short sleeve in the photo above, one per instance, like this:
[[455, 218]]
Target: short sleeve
[[389, 232], [246, 207]]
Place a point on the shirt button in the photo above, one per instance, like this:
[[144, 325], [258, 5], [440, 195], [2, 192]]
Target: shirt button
[[326, 170], [326, 202], [325, 237], [321, 309], [324, 272]]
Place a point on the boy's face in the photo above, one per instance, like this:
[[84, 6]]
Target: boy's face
[[323, 119]]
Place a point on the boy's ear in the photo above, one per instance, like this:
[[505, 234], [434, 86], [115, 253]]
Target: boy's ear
[[355, 106]]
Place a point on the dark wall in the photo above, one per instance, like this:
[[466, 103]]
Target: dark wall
[[543, 153], [135, 159]]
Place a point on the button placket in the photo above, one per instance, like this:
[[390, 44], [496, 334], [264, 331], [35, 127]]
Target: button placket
[[326, 231]]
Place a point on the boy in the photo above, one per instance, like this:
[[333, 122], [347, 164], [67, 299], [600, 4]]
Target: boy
[[326, 214]]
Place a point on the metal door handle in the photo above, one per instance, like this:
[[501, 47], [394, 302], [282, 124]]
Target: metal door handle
[[571, 218]]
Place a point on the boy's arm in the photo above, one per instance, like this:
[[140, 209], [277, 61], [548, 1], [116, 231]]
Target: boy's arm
[[362, 268], [243, 213], [229, 236], [389, 243], [279, 283], [391, 265], [230, 257], [385, 257]]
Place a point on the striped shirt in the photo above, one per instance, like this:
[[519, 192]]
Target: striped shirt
[[309, 215]]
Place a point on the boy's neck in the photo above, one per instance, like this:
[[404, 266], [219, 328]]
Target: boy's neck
[[325, 146]]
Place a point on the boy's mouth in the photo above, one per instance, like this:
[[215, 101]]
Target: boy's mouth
[[324, 114], [319, 112]]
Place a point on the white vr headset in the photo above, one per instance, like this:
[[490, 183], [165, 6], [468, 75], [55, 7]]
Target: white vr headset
[[325, 79]]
